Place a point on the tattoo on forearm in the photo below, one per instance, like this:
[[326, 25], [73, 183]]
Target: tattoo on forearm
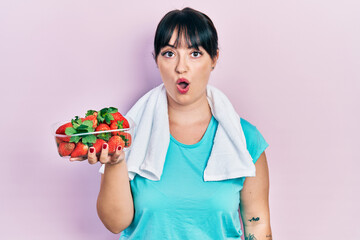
[[269, 237], [250, 237], [254, 219]]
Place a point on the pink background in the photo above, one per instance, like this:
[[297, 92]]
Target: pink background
[[291, 68]]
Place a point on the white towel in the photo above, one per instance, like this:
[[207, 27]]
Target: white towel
[[229, 157]]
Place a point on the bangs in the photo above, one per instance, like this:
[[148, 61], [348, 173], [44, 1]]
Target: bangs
[[189, 32], [196, 28]]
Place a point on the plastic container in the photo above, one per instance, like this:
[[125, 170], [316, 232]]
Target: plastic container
[[66, 148]]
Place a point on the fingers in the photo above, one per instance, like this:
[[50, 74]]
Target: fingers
[[118, 156], [104, 155], [92, 158]]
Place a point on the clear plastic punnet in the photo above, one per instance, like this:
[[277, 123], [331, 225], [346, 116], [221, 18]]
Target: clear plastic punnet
[[76, 145]]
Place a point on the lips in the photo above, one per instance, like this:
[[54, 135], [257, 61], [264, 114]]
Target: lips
[[183, 85]]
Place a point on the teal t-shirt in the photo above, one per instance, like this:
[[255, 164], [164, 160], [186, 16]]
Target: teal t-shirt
[[182, 205]]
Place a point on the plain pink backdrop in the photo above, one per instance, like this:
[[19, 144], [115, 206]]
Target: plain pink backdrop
[[291, 68]]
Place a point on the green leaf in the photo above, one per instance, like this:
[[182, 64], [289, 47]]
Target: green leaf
[[70, 131], [112, 110], [104, 136], [82, 127], [125, 139], [100, 118], [82, 130], [120, 124], [89, 139], [87, 123], [108, 118], [90, 112], [75, 139], [103, 112], [76, 122]]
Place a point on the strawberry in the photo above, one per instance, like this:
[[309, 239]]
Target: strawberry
[[118, 118], [58, 140], [102, 127], [118, 125], [91, 118], [126, 137], [98, 145], [61, 130], [104, 135], [91, 112], [114, 126], [66, 148], [114, 142], [126, 123], [80, 150]]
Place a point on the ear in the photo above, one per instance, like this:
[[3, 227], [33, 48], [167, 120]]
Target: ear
[[214, 61]]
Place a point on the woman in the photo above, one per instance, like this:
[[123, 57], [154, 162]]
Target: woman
[[181, 205]]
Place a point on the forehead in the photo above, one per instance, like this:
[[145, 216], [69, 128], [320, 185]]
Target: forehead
[[181, 39], [178, 42]]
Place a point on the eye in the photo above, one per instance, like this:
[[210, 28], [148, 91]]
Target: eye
[[167, 54], [196, 54]]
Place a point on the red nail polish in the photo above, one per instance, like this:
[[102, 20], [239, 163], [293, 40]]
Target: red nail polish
[[91, 150], [104, 146], [119, 148]]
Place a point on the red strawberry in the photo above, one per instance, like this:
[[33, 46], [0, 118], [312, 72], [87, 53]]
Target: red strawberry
[[125, 123], [91, 118], [98, 145], [114, 126], [114, 142], [102, 127], [65, 148], [58, 140], [126, 137], [61, 130], [92, 112], [80, 150], [117, 117], [118, 125]]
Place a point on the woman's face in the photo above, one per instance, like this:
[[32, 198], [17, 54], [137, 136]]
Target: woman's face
[[185, 71]]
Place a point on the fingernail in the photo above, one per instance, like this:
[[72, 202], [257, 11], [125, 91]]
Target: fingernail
[[119, 148], [91, 150], [104, 146]]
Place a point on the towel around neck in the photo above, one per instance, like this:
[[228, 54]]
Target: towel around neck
[[229, 157]]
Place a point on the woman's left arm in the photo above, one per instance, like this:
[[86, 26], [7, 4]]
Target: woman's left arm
[[254, 203]]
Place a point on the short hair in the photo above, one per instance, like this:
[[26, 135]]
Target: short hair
[[198, 30]]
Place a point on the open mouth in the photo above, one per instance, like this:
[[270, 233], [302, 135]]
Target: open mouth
[[182, 85]]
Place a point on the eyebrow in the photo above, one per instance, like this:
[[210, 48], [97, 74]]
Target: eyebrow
[[176, 47]]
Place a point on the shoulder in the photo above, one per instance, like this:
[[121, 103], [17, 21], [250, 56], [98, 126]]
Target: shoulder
[[247, 126], [255, 142], [250, 131]]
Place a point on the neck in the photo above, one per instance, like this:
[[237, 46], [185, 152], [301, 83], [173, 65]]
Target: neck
[[198, 111]]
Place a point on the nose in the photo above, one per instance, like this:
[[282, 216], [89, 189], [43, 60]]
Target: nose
[[182, 65]]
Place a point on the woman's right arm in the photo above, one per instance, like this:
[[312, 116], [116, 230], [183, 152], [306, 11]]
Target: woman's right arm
[[115, 203]]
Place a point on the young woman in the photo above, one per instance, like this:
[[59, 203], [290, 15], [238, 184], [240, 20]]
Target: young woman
[[182, 204]]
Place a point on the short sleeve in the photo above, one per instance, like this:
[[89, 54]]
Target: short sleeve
[[255, 142]]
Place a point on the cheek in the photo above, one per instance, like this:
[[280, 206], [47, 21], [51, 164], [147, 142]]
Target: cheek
[[204, 71], [165, 70]]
